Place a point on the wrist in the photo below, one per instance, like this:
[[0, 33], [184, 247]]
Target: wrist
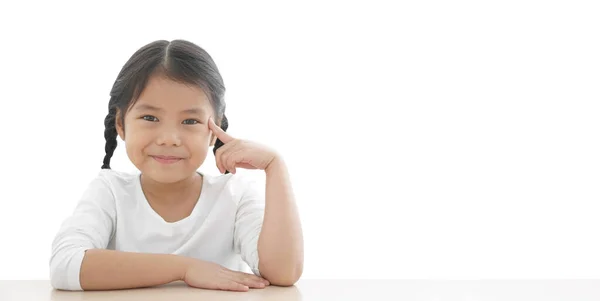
[[276, 164], [180, 266]]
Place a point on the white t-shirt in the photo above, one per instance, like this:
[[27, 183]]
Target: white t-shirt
[[114, 214]]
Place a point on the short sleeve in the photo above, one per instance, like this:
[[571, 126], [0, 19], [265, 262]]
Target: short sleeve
[[249, 221], [90, 226]]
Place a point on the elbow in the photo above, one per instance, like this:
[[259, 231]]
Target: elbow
[[57, 283], [57, 275], [283, 276], [62, 271], [284, 280], [287, 279]]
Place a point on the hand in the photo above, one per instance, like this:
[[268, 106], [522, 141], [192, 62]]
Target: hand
[[209, 275], [239, 153]]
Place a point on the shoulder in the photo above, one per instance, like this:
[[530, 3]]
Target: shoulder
[[237, 187], [118, 178], [114, 181]]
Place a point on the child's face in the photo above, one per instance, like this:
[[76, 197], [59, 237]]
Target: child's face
[[166, 132]]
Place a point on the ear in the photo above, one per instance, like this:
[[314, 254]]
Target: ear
[[119, 126]]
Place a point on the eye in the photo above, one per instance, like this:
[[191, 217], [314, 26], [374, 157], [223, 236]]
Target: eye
[[191, 121], [149, 118]]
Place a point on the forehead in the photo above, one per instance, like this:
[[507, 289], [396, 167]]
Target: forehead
[[170, 95]]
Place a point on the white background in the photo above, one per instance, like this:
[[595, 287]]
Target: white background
[[425, 139]]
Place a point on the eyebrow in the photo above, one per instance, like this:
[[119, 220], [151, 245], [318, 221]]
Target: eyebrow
[[146, 107]]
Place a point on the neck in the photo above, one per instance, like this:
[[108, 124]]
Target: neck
[[169, 192]]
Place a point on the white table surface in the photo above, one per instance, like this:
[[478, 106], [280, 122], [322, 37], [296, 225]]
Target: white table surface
[[308, 290]]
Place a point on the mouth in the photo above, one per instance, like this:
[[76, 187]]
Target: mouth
[[167, 159]]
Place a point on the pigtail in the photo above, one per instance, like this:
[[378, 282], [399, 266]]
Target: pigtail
[[110, 134]]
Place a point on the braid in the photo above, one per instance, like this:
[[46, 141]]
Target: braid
[[110, 134], [219, 143]]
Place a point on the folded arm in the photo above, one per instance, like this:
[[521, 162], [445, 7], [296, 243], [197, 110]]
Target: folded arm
[[80, 261]]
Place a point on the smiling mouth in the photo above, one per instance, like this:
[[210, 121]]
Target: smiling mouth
[[167, 159]]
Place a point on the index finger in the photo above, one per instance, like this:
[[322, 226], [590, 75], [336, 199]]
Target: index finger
[[222, 135]]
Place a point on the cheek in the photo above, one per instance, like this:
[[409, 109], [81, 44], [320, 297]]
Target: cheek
[[137, 138], [197, 144], [198, 141]]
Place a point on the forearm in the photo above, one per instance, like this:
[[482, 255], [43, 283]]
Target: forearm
[[280, 244], [108, 269]]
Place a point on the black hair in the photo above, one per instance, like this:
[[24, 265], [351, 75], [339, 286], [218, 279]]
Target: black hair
[[178, 60]]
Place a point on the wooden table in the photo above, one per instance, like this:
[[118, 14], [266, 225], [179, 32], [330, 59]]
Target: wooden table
[[309, 290]]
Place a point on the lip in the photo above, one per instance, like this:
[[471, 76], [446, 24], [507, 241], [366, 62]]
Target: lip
[[167, 159]]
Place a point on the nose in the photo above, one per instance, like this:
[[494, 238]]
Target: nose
[[168, 136]]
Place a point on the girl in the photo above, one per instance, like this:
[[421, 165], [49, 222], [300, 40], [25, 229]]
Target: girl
[[170, 222]]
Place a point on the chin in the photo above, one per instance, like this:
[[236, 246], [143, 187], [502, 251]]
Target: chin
[[165, 179], [166, 176]]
